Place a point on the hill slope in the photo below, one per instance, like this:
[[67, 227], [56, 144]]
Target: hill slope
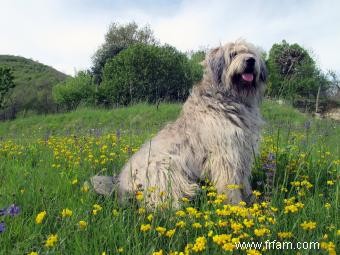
[[145, 118], [34, 82]]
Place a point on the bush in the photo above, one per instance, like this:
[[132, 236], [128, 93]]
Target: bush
[[147, 73], [293, 72], [118, 38], [75, 91], [6, 83]]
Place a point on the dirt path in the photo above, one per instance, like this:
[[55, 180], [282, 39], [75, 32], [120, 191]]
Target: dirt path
[[333, 114]]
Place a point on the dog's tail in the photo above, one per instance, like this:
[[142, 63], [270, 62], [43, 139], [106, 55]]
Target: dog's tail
[[104, 185]]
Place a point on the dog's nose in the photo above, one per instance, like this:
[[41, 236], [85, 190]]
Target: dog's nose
[[250, 61]]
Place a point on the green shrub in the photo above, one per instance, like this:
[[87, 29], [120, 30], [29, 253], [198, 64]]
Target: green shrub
[[6, 83], [293, 72], [147, 73], [75, 91]]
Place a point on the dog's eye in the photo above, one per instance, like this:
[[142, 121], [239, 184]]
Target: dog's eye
[[233, 54]]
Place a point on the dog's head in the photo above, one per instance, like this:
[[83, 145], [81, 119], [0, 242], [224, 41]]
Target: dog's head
[[238, 69]]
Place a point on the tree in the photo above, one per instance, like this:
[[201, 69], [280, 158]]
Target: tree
[[334, 79], [195, 60], [6, 84], [75, 91], [118, 38], [146, 73], [292, 72]]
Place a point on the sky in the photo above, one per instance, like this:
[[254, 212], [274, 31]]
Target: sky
[[65, 34]]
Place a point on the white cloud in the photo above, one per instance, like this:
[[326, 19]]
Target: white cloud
[[65, 34]]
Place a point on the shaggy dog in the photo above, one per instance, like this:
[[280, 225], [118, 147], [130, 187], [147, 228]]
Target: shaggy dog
[[215, 137]]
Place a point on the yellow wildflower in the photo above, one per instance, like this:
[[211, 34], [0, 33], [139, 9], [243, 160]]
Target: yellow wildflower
[[261, 218], [307, 184], [283, 235], [191, 211], [291, 208], [150, 217], [221, 239], [40, 217], [196, 225], [97, 208], [115, 212], [253, 252], [210, 223], [160, 230], [85, 188], [160, 252], [330, 247], [228, 246], [271, 220], [308, 225], [33, 253], [236, 227], [330, 182], [170, 233], [66, 213], [261, 231], [180, 224], [185, 200], [222, 223], [248, 223], [256, 193], [82, 224], [74, 181], [211, 194], [51, 240], [141, 210], [139, 195], [274, 209], [145, 227], [295, 183], [199, 244], [180, 213]]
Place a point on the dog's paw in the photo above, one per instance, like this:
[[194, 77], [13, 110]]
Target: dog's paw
[[103, 185]]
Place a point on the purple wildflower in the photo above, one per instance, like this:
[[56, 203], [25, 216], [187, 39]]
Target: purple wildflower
[[307, 124], [271, 156], [2, 227], [269, 166], [13, 210], [3, 211]]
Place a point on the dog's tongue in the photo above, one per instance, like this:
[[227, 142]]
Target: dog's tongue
[[248, 77]]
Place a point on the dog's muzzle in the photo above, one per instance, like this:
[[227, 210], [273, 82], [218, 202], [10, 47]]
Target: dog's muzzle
[[248, 74]]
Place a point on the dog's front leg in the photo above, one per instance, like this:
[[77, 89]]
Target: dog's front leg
[[227, 178]]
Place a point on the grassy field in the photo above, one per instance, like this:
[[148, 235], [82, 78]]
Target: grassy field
[[48, 208]]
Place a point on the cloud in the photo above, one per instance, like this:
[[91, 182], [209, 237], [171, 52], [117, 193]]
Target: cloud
[[65, 34]]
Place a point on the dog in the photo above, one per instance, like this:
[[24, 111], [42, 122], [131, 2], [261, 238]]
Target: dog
[[215, 137]]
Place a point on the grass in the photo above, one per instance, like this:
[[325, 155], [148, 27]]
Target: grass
[[45, 162]]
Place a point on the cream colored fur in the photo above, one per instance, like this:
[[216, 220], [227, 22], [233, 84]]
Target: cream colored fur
[[215, 136]]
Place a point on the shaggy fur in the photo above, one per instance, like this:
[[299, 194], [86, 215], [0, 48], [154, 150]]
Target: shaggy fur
[[215, 136]]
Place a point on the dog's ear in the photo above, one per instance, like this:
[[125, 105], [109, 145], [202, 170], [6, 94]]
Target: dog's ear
[[216, 63], [263, 71]]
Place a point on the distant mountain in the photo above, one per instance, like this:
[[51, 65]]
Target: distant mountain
[[33, 91]]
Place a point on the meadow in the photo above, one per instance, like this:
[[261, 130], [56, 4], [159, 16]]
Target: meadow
[[48, 207]]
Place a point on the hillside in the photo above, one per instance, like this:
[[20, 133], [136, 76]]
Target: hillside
[[147, 118], [34, 82]]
